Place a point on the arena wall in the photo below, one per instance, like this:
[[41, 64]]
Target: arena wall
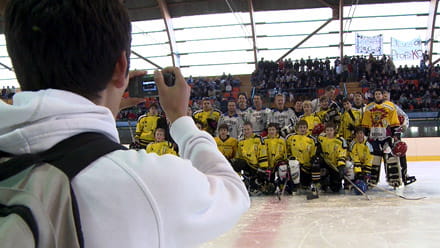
[[423, 149]]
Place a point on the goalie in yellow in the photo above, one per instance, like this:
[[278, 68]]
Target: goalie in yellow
[[382, 123], [161, 146]]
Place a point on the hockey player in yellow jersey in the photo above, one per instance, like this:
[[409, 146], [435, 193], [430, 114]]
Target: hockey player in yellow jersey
[[146, 126], [381, 121], [349, 120], [252, 159], [276, 146], [309, 117], [327, 112], [360, 154], [160, 146], [226, 144], [334, 153], [208, 116], [301, 147]]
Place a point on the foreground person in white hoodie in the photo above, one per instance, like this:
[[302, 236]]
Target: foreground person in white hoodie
[[71, 59]]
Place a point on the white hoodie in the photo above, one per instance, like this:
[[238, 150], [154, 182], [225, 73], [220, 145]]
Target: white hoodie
[[131, 198]]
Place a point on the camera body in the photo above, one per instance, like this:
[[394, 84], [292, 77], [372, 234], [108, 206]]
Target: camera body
[[142, 86], [145, 86]]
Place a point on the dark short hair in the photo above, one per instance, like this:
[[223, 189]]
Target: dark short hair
[[302, 123], [248, 123], [380, 90], [273, 124], [330, 87], [69, 45], [330, 125], [359, 129], [223, 126], [345, 99]]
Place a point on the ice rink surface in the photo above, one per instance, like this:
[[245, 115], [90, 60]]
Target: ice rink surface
[[345, 220]]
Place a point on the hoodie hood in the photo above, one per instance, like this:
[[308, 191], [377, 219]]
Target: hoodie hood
[[38, 120]]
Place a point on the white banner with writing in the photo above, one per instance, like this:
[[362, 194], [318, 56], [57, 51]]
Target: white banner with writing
[[406, 50], [369, 44]]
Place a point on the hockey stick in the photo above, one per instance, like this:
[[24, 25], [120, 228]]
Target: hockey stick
[[395, 194], [131, 131], [279, 194]]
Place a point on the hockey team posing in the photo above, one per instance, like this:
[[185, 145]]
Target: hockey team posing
[[323, 148]]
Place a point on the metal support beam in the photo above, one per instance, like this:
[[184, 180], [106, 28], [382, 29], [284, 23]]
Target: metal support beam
[[170, 32], [149, 61], [431, 27], [305, 39], [341, 28], [435, 62], [6, 67], [254, 36]]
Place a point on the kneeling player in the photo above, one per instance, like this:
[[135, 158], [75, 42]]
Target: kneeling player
[[301, 147], [225, 143], [333, 151], [360, 154], [251, 160]]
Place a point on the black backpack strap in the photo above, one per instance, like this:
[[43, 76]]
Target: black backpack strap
[[70, 156], [75, 153]]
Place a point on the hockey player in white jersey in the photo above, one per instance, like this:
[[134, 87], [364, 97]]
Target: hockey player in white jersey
[[258, 115], [233, 120], [283, 116]]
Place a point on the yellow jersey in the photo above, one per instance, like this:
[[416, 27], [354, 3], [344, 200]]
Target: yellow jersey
[[302, 147], [333, 151], [378, 117], [276, 150], [349, 120], [161, 148], [227, 147], [145, 128], [253, 151]]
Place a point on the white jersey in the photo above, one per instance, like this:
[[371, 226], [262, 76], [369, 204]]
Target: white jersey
[[242, 112], [258, 118], [285, 117], [235, 124]]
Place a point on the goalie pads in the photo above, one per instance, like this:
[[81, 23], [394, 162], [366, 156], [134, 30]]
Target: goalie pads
[[282, 170], [294, 170], [349, 171], [394, 175]]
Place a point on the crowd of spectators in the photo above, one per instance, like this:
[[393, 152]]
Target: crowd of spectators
[[414, 88]]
